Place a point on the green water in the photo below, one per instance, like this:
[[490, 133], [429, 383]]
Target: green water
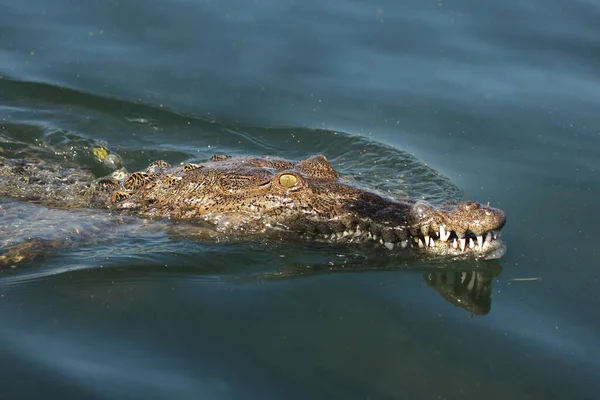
[[490, 102]]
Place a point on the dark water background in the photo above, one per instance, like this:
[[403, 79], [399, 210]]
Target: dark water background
[[500, 97]]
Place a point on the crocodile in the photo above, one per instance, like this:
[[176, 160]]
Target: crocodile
[[264, 197]]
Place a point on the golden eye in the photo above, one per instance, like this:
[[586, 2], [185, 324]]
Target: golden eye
[[288, 180]]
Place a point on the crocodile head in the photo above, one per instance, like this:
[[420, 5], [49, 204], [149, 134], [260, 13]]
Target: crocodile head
[[308, 198]]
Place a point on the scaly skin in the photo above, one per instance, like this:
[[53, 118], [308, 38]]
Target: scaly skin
[[253, 197]]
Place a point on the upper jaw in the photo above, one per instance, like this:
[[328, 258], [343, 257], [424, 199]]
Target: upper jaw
[[459, 229]]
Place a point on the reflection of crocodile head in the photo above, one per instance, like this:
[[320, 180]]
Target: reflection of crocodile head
[[471, 290], [249, 197], [466, 284]]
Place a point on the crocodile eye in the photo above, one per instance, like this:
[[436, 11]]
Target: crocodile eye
[[288, 180]]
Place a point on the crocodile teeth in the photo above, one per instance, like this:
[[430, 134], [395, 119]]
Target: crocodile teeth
[[346, 233], [471, 243], [333, 236], [426, 240], [404, 243], [421, 245], [488, 237], [463, 244], [480, 242], [463, 277], [431, 242], [389, 245], [455, 244], [495, 234], [358, 232], [443, 236]]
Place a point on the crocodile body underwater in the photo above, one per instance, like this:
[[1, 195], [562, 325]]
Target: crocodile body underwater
[[254, 197]]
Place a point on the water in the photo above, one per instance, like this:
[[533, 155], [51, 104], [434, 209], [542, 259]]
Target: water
[[499, 98]]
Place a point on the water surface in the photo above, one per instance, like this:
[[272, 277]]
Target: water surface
[[499, 100]]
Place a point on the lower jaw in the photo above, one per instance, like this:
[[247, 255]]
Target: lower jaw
[[451, 248], [496, 253], [490, 251], [443, 250]]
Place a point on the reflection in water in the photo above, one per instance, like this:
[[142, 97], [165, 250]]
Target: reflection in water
[[467, 285], [471, 290]]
